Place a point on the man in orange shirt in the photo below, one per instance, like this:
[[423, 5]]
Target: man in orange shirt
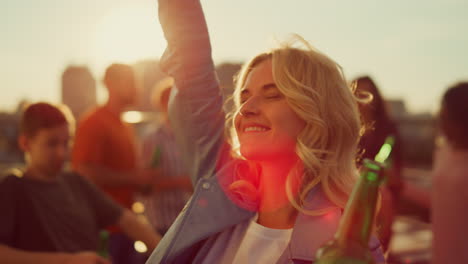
[[105, 152]]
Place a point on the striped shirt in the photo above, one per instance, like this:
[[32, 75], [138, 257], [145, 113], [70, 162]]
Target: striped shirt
[[160, 151]]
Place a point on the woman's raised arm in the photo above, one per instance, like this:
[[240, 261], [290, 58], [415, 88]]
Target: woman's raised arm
[[195, 106]]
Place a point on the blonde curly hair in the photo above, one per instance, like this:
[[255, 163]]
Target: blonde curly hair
[[316, 90]]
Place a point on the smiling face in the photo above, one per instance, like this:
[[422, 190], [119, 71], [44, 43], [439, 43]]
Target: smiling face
[[266, 126]]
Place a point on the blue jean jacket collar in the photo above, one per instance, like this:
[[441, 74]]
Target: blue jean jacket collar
[[311, 231], [211, 211]]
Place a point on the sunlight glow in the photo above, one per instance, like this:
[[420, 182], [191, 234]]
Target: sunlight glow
[[132, 117], [140, 247], [138, 208], [128, 33]]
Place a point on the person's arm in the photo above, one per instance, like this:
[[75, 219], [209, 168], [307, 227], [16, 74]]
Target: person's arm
[[90, 150], [195, 107], [14, 256], [153, 156], [138, 230], [176, 183], [103, 176], [417, 194], [107, 212]]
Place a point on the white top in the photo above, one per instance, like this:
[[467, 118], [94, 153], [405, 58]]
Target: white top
[[249, 242]]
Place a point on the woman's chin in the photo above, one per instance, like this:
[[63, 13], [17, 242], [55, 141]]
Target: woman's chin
[[252, 153]]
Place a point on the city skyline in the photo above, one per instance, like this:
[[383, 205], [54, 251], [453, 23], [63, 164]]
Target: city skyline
[[414, 50]]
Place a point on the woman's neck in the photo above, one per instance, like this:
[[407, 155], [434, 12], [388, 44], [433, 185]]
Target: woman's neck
[[275, 209]]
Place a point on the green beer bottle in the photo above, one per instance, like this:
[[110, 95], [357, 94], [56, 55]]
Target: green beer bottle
[[351, 242], [103, 249], [156, 157]]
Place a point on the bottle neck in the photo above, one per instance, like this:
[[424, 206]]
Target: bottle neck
[[357, 223]]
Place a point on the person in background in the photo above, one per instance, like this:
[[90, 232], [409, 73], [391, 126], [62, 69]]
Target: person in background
[[173, 188], [105, 151], [378, 125], [449, 196], [49, 215], [276, 192]]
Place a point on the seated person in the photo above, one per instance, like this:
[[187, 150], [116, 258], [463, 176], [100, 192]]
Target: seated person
[[50, 215], [450, 179]]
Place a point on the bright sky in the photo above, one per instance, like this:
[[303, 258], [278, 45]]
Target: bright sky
[[413, 49]]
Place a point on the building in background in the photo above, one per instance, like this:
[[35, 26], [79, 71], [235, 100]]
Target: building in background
[[10, 154], [417, 131], [226, 73], [78, 89]]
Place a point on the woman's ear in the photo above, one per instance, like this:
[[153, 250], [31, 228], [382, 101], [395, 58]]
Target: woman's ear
[[23, 143]]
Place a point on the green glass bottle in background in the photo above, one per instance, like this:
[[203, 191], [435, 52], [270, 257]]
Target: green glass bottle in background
[[156, 157], [351, 242], [103, 249], [155, 162]]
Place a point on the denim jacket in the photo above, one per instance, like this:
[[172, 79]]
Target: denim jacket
[[198, 120]]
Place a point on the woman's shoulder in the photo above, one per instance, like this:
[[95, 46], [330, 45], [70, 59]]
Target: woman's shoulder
[[317, 200]]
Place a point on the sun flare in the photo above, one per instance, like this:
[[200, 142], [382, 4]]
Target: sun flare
[[127, 34]]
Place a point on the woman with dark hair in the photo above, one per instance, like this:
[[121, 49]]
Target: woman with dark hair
[[376, 121], [378, 126]]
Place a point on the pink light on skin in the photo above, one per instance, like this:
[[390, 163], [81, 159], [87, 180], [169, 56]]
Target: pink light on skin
[[328, 216], [249, 185]]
